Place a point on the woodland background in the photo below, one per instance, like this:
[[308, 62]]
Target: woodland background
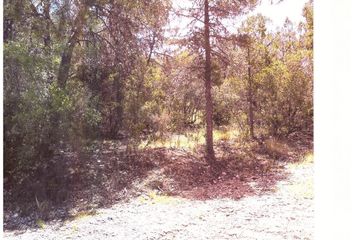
[[82, 74]]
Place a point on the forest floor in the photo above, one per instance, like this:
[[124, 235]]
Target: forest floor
[[263, 191]]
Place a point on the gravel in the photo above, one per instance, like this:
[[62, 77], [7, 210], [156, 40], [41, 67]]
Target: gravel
[[275, 215]]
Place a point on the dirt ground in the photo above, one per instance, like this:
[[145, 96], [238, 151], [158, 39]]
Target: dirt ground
[[286, 213], [261, 192]]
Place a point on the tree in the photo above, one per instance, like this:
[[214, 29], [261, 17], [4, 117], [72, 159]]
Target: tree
[[83, 70], [210, 155], [307, 12], [254, 39], [285, 84], [76, 31], [211, 14], [66, 72]]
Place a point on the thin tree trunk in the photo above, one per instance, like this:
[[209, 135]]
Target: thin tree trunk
[[67, 53], [250, 96], [8, 30], [118, 119], [210, 155], [46, 38]]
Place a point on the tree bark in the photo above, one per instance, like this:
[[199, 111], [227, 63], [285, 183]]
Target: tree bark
[[67, 53], [46, 38], [250, 96], [210, 155]]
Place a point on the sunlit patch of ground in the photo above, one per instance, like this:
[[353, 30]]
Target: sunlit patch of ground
[[78, 216], [192, 139], [277, 147], [40, 223], [83, 214], [153, 197], [303, 188], [305, 160]]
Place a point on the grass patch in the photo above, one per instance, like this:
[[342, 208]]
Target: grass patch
[[75, 228], [190, 140], [40, 223], [276, 147], [303, 189], [84, 214], [225, 135], [308, 158], [304, 161], [153, 198]]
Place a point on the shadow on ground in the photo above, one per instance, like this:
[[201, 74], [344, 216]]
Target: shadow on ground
[[105, 176]]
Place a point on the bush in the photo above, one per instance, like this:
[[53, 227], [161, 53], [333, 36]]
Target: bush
[[46, 120]]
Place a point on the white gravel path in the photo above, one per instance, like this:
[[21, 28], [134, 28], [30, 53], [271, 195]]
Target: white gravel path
[[278, 215]]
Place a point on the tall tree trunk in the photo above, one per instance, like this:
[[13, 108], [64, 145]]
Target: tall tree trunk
[[46, 38], [8, 29], [210, 155], [65, 62], [67, 53], [118, 111], [250, 96]]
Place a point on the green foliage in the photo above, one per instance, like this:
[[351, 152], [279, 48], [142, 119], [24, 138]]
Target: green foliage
[[43, 120], [225, 101], [119, 86], [307, 12], [277, 77], [182, 92], [285, 95]]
